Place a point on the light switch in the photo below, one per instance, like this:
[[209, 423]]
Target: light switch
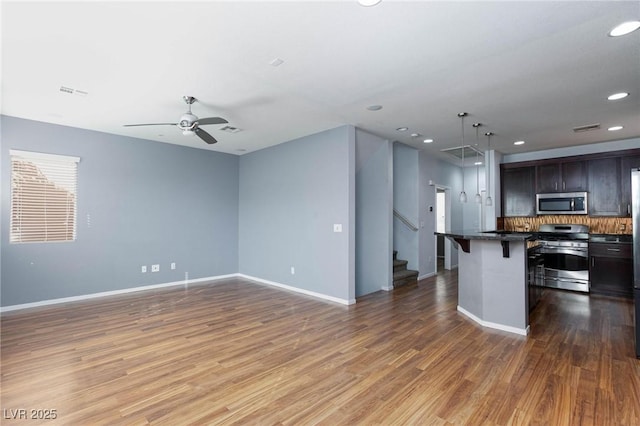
[[337, 227]]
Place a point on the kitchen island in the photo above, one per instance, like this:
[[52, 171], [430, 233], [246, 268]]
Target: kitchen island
[[492, 278]]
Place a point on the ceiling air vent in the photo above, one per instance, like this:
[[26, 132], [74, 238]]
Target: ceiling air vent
[[72, 91], [230, 129], [586, 128]]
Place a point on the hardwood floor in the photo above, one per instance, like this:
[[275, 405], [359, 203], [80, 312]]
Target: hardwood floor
[[236, 352]]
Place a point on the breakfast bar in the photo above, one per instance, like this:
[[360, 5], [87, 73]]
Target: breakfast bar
[[492, 278]]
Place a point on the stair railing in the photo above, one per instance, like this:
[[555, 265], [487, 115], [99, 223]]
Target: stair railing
[[404, 220]]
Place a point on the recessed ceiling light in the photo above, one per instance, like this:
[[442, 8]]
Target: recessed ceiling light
[[617, 96], [367, 3], [276, 62], [427, 140], [374, 107], [614, 128], [624, 28], [402, 129], [518, 143]]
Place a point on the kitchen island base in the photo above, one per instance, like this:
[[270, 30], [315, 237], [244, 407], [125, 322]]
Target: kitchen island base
[[492, 287]]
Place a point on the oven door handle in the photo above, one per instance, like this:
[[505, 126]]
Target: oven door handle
[[565, 250]]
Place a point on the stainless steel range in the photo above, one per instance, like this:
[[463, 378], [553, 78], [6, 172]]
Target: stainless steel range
[[565, 249]]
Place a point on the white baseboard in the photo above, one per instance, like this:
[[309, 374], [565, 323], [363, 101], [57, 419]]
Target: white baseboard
[[299, 290], [112, 293], [429, 275], [172, 284], [521, 331]]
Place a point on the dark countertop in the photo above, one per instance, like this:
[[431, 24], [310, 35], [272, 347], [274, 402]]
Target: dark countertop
[[488, 235], [611, 238], [500, 235]]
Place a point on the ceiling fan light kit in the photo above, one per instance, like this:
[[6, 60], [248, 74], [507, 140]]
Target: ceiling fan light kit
[[190, 123]]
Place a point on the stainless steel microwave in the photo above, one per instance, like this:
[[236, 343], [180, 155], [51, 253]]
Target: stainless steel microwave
[[562, 203]]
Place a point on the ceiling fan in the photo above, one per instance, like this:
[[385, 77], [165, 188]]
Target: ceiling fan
[[190, 124]]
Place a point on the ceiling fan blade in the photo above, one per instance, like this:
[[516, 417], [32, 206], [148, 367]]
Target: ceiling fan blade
[[212, 120], [150, 124], [205, 136]]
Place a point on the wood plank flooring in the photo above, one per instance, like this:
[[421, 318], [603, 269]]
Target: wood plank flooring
[[236, 352]]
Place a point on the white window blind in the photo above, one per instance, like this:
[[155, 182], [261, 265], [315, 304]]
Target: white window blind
[[43, 197]]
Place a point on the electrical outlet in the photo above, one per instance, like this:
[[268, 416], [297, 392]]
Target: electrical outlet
[[293, 270], [173, 265], [143, 269], [337, 227], [155, 268]]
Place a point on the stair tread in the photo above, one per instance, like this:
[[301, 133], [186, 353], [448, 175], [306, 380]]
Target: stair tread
[[406, 273], [397, 262]]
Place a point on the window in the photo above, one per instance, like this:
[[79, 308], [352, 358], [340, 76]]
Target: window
[[43, 197]]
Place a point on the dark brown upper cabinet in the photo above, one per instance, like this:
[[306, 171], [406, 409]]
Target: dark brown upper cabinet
[[561, 177], [518, 191], [605, 194], [605, 176]]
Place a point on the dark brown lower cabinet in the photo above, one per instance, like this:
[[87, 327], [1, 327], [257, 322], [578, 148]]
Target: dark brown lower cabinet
[[611, 269]]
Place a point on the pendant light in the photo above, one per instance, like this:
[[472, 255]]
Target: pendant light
[[489, 201], [463, 195], [478, 196]]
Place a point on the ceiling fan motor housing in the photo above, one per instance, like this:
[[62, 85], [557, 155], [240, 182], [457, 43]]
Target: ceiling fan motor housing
[[187, 121]]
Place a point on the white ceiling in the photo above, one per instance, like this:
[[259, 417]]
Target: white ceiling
[[526, 70]]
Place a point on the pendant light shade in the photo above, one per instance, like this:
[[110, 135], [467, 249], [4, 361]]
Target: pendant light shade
[[463, 195], [478, 197], [489, 201]]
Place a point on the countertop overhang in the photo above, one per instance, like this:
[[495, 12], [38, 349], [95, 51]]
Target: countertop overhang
[[462, 238], [488, 235]]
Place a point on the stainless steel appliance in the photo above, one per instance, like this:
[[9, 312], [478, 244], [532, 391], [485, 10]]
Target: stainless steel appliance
[[535, 275], [562, 203], [565, 252], [635, 223]]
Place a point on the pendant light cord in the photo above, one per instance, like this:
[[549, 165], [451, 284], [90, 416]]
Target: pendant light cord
[[489, 200], [478, 196], [463, 194]]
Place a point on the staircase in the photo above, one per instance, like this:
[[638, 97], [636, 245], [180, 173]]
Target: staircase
[[402, 275]]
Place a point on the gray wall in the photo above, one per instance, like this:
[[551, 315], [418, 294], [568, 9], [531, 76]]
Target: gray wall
[[291, 195], [374, 213], [447, 175], [139, 202], [472, 211], [405, 201]]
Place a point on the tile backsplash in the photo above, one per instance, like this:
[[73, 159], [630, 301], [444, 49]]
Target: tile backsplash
[[597, 225]]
